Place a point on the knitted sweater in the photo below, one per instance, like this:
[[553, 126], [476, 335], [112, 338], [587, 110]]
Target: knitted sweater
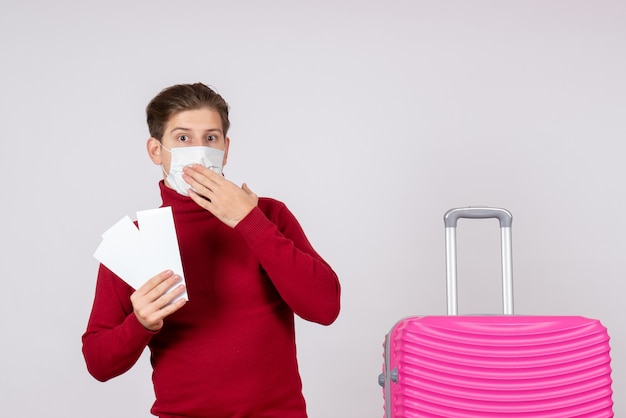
[[230, 351]]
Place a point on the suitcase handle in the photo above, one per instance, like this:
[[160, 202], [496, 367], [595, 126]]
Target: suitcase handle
[[452, 216], [506, 219]]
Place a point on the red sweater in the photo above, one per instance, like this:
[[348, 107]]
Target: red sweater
[[230, 351]]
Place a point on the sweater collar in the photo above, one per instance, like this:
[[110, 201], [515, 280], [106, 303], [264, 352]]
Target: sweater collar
[[178, 202]]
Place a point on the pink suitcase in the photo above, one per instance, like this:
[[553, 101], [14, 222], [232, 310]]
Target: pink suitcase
[[495, 365]]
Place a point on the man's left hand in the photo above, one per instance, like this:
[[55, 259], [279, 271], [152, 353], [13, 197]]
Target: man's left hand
[[223, 198]]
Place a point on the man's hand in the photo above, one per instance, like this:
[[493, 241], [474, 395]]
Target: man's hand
[[223, 198], [150, 302]]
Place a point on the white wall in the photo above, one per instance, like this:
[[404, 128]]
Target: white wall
[[368, 118]]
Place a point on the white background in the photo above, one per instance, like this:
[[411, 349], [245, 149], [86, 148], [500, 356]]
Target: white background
[[369, 119]]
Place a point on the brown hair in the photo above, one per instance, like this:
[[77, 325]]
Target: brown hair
[[181, 97]]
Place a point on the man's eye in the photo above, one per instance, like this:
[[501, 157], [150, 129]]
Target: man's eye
[[183, 138], [211, 138]]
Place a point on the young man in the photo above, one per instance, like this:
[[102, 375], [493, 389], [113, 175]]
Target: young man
[[230, 350]]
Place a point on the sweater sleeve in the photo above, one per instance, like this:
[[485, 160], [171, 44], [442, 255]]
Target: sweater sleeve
[[303, 279], [114, 339]]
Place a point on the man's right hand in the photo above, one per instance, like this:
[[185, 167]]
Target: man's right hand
[[150, 302]]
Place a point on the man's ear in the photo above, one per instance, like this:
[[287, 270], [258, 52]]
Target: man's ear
[[226, 145], [154, 150]]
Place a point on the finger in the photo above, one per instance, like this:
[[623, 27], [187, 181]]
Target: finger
[[170, 304], [167, 296], [202, 201], [202, 175], [155, 281], [155, 320], [151, 313], [200, 186], [162, 290], [152, 295], [253, 198], [207, 172]]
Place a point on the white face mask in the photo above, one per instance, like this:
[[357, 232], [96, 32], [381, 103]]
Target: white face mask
[[184, 156]]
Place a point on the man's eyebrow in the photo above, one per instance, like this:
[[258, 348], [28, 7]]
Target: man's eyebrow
[[180, 128]]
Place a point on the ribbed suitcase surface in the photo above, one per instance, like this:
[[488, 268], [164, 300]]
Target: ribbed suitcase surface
[[477, 367]]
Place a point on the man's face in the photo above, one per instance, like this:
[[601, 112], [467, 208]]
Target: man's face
[[189, 128]]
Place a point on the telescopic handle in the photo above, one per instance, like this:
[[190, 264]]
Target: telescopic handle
[[506, 219]]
